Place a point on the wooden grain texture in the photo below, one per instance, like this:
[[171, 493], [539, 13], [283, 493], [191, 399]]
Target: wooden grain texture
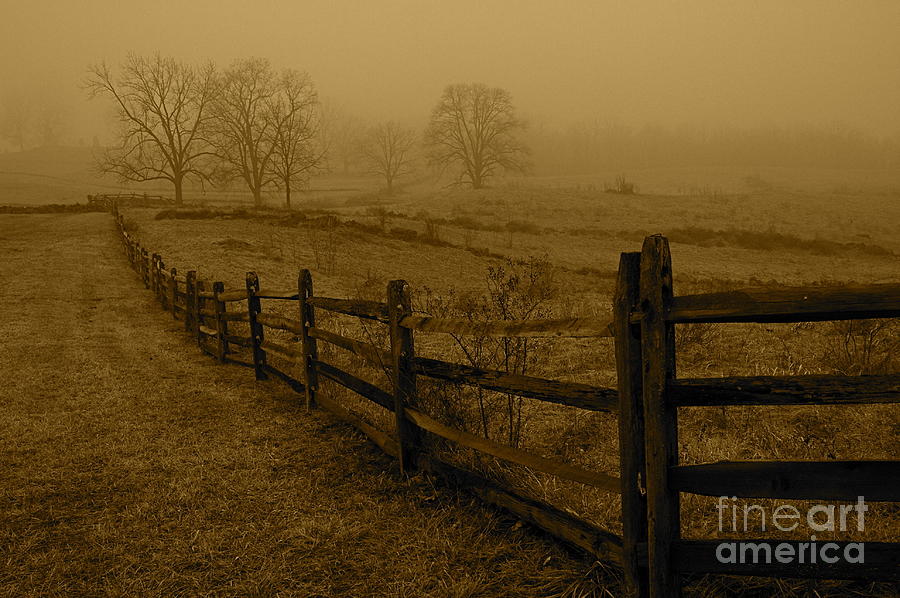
[[568, 528], [570, 327], [357, 385], [814, 480], [241, 341], [307, 341], [786, 390], [631, 424], [190, 290], [197, 308], [660, 417], [257, 336], [791, 304], [882, 560], [221, 324], [279, 323], [554, 391], [233, 295], [382, 439], [403, 372], [370, 310], [372, 354], [287, 294], [514, 455]]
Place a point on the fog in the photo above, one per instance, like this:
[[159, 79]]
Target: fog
[[699, 64]]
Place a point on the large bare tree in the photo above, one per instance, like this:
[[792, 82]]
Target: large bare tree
[[162, 107], [387, 150], [245, 125], [475, 127], [296, 112]]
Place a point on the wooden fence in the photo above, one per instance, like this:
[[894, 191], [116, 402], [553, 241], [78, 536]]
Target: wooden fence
[[650, 550]]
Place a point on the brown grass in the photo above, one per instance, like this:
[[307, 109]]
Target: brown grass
[[133, 465]]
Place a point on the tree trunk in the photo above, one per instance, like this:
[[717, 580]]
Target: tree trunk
[[390, 185], [178, 194], [287, 193], [257, 198]]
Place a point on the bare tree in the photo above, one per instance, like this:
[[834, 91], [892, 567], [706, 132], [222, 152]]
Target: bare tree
[[245, 126], [295, 110], [387, 150], [163, 110], [476, 127]]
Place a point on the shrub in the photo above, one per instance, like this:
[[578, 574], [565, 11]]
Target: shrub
[[516, 290], [861, 347]]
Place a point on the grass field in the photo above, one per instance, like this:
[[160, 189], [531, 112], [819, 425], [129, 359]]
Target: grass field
[[728, 229], [134, 466]]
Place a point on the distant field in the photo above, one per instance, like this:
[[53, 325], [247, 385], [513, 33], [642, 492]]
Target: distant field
[[729, 228], [443, 242]]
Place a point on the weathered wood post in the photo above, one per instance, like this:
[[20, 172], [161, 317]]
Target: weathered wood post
[[308, 343], [631, 422], [660, 417], [190, 291], [199, 302], [173, 292], [221, 324], [404, 374], [161, 282], [256, 330]]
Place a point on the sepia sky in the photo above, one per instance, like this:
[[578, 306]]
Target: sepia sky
[[710, 63]]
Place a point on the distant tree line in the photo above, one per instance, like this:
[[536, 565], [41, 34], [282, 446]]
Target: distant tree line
[[268, 129]]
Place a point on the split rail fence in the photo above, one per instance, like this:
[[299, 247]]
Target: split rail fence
[[650, 550]]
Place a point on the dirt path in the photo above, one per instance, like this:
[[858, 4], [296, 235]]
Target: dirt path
[[130, 464]]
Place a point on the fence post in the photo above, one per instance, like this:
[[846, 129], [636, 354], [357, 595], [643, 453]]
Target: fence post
[[161, 288], [190, 290], [173, 293], [198, 306], [404, 374], [631, 422], [660, 417], [308, 343], [221, 324], [256, 329]]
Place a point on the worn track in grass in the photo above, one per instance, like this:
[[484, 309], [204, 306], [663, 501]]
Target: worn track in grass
[[131, 464]]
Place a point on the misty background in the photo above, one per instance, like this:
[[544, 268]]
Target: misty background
[[603, 85]]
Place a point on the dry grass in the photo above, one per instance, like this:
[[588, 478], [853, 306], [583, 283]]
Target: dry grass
[[583, 261], [133, 465]]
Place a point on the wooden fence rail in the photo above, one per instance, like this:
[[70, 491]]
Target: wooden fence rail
[[646, 401]]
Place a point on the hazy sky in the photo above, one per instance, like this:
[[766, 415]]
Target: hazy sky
[[712, 63]]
